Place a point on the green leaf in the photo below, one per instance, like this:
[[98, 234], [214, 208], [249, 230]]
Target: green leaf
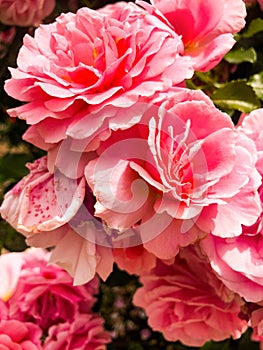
[[256, 81], [236, 95], [241, 55], [12, 166], [254, 27]]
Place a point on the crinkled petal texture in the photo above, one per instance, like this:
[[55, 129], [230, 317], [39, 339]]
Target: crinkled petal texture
[[42, 206], [238, 263], [25, 12], [187, 302], [207, 27], [252, 126], [19, 335], [92, 59], [86, 333], [171, 177], [43, 293]]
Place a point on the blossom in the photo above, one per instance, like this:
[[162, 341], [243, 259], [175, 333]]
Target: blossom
[[90, 59], [42, 206], [43, 294], [238, 261], [86, 333], [19, 335], [207, 28], [25, 13], [187, 302], [172, 179]]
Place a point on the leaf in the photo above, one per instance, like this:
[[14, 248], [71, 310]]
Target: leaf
[[254, 27], [12, 166], [236, 95], [256, 81], [241, 55]]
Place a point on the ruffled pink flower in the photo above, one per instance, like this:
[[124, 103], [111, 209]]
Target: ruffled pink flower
[[25, 12], [239, 261], [43, 294], [42, 206], [90, 59], [171, 177], [187, 302], [86, 333], [19, 335], [207, 27]]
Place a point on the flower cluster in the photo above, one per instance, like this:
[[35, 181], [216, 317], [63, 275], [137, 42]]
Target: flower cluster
[[139, 170], [40, 309]]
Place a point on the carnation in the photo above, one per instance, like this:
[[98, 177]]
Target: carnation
[[187, 302]]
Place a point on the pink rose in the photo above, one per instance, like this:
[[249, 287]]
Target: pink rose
[[172, 179], [25, 13], [19, 335], [239, 261], [43, 207], [43, 294], [90, 59], [187, 302], [207, 28], [86, 333]]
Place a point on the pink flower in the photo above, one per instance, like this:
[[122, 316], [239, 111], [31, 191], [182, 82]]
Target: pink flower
[[207, 27], [172, 179], [86, 333], [43, 207], [252, 125], [238, 261], [187, 302], [19, 335], [25, 12], [44, 294], [89, 59]]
